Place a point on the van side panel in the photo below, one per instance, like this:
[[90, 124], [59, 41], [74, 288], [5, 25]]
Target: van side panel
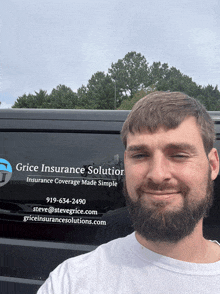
[[61, 184]]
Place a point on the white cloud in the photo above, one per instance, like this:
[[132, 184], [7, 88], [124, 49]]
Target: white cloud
[[5, 105], [207, 44]]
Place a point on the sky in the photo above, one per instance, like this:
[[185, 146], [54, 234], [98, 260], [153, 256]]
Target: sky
[[44, 43]]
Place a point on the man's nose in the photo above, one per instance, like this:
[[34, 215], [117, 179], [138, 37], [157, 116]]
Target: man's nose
[[159, 169]]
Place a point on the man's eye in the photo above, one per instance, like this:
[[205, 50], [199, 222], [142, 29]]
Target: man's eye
[[139, 155], [180, 156]]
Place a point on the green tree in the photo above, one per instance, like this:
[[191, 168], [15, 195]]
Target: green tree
[[174, 80], [127, 104], [157, 72], [210, 97], [171, 79], [99, 92], [163, 78], [83, 99], [122, 86], [22, 101], [130, 74], [36, 100], [61, 97]]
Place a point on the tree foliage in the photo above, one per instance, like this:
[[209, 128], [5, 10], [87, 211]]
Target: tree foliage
[[127, 104], [36, 100], [130, 73], [128, 80], [99, 92], [61, 97]]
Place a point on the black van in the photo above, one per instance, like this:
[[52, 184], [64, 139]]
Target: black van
[[61, 179]]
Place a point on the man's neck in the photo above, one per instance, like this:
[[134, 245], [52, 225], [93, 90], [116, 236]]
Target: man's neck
[[194, 248]]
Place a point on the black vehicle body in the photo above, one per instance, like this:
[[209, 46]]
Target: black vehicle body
[[64, 193]]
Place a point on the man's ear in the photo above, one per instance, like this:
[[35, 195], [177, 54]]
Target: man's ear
[[214, 163]]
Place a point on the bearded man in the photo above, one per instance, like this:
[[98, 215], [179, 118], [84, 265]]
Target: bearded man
[[170, 166]]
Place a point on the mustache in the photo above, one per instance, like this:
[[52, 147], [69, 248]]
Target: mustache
[[167, 187]]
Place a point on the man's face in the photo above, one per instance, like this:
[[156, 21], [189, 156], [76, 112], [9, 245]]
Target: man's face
[[168, 183]]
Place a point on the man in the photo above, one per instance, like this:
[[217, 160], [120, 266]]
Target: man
[[170, 166]]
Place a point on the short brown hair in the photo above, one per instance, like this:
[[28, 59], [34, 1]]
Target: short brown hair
[[168, 109]]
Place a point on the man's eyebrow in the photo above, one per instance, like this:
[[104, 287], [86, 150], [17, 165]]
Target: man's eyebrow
[[173, 146], [141, 147], [182, 146]]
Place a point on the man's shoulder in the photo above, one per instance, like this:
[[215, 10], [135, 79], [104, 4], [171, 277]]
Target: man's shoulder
[[85, 271], [112, 251]]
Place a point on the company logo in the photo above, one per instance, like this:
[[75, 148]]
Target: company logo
[[5, 172]]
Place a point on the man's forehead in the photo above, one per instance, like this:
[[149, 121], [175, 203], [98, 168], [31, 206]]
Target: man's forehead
[[189, 121], [187, 132]]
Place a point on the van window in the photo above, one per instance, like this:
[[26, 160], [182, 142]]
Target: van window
[[63, 181]]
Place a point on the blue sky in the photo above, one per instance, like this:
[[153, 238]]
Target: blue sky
[[44, 43]]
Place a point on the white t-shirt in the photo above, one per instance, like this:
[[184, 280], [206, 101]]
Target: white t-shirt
[[125, 266]]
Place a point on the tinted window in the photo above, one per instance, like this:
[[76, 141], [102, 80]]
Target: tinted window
[[64, 181]]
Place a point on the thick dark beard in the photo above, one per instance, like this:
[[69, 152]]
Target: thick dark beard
[[170, 226]]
